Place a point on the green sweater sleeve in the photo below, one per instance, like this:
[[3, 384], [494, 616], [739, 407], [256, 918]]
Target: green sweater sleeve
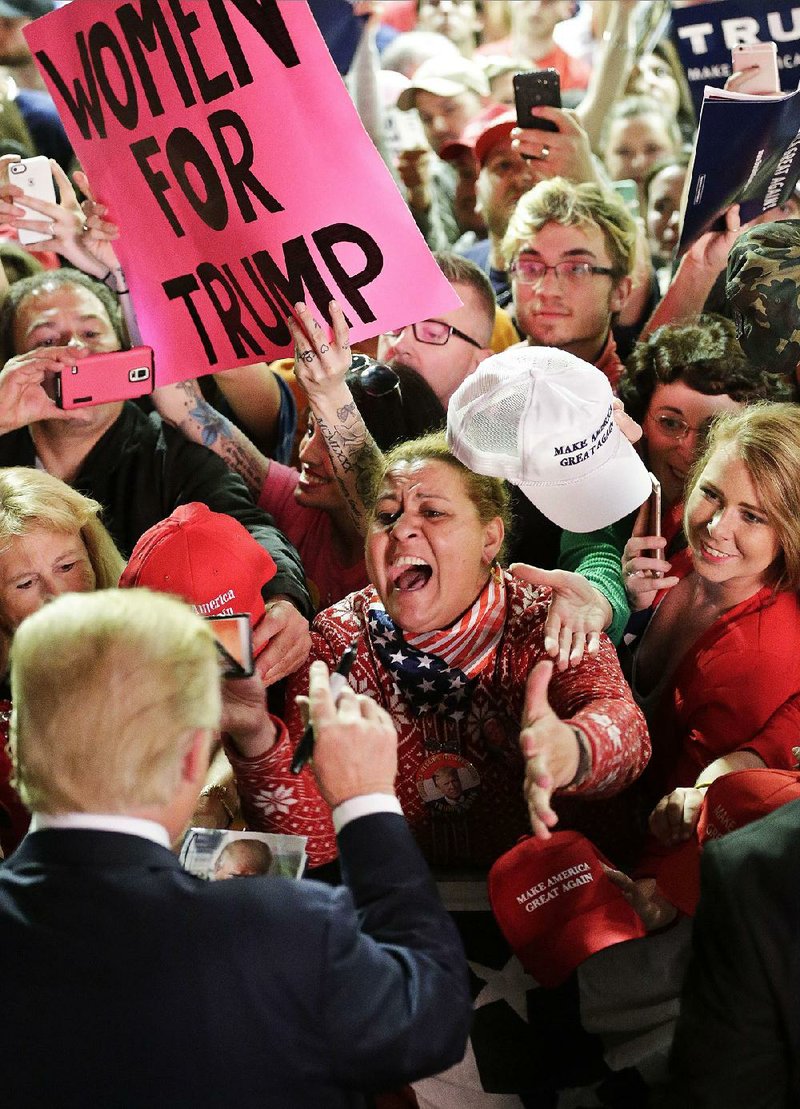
[[597, 556]]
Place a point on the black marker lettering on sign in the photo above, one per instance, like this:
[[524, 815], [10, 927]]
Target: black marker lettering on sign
[[192, 168], [301, 274], [148, 28], [264, 17], [197, 176], [278, 331], [239, 171], [85, 105], [157, 181], [262, 285], [210, 88], [109, 61], [230, 313], [274, 333], [350, 283], [181, 288], [104, 62]]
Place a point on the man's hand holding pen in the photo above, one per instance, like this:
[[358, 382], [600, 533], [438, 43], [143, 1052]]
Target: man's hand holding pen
[[338, 682], [355, 741]]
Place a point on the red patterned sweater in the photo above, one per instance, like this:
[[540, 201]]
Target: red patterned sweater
[[594, 697]]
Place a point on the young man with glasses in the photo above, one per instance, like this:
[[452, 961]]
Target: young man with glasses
[[570, 250]]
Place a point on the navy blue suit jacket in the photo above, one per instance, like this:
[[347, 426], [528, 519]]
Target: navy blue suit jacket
[[737, 1045], [126, 982]]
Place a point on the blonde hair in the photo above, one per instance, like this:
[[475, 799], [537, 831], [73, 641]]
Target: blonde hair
[[558, 200], [766, 437], [107, 687], [32, 499]]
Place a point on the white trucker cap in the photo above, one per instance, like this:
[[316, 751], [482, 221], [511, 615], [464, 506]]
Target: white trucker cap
[[542, 419]]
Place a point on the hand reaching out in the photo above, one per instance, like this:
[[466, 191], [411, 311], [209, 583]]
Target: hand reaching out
[[550, 747], [285, 631], [23, 388], [63, 223]]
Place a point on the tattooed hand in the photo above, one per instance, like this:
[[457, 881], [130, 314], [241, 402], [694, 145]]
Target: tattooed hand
[[320, 362]]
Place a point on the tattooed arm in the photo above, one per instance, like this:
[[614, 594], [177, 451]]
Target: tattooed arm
[[320, 365], [183, 406]]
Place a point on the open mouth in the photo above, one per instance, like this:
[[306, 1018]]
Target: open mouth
[[310, 479], [409, 574]]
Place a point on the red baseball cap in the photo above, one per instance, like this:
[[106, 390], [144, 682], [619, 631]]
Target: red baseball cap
[[731, 801], [475, 129], [556, 905], [492, 133], [206, 557]]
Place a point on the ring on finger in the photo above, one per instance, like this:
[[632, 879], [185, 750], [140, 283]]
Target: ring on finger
[[545, 152]]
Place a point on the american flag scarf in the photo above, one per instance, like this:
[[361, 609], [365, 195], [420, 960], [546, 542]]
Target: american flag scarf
[[435, 670]]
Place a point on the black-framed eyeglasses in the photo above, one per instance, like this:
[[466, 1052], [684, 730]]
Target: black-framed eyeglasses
[[435, 333], [530, 271], [375, 378]]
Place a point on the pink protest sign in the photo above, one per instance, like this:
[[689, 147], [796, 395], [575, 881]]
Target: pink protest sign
[[229, 152]]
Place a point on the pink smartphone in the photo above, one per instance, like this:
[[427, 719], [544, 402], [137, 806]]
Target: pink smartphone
[[103, 378], [764, 55]]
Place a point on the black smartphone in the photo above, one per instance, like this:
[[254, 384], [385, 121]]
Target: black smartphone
[[234, 637], [533, 89]]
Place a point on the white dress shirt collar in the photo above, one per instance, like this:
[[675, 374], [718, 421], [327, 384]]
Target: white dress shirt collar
[[102, 822]]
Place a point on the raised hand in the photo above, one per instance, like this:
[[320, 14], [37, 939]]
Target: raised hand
[[320, 362], [550, 747]]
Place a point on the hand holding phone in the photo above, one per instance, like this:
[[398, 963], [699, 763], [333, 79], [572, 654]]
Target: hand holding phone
[[531, 90], [33, 176], [104, 378]]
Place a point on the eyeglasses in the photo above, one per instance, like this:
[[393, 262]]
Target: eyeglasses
[[375, 378], [435, 333], [674, 427], [528, 271]]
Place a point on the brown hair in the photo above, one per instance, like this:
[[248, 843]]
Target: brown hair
[[489, 494]]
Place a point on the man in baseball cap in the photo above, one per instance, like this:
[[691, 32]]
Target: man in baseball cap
[[447, 92]]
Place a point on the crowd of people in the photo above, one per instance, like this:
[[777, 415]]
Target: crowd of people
[[592, 651]]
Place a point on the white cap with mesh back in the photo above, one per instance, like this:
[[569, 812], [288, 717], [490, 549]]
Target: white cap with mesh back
[[542, 419]]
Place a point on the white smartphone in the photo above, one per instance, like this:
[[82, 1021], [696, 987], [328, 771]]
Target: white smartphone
[[764, 56], [33, 176]]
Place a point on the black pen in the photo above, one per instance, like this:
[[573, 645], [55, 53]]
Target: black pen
[[305, 748]]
